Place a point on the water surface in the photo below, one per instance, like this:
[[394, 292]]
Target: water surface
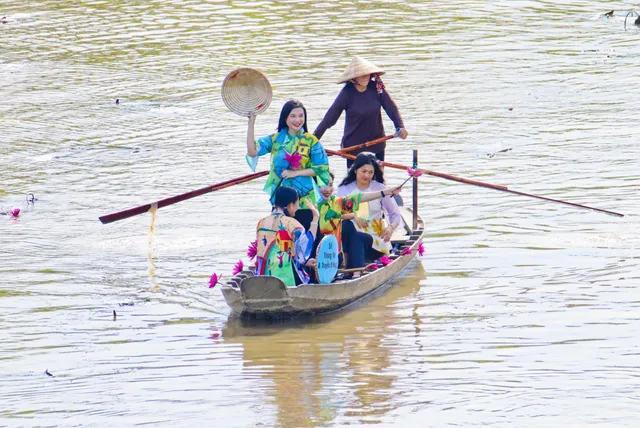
[[522, 313]]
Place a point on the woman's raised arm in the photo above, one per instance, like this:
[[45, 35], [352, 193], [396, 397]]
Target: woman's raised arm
[[251, 141]]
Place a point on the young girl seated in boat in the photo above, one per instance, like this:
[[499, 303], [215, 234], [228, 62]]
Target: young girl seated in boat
[[333, 210], [283, 245], [365, 175], [298, 159]]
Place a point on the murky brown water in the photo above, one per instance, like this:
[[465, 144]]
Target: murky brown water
[[522, 313]]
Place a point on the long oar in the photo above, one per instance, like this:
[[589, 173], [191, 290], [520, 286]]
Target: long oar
[[481, 184], [367, 144], [110, 218]]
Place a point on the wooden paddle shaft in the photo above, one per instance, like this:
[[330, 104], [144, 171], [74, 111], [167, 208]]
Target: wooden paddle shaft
[[110, 218], [367, 144], [482, 184]]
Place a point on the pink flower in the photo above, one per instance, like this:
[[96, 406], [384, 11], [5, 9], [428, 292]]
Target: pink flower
[[414, 172], [214, 280], [406, 251], [238, 267], [15, 212], [372, 266], [293, 159], [421, 249], [252, 250], [385, 260]]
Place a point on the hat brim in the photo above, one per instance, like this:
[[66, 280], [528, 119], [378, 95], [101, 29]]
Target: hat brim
[[346, 78]]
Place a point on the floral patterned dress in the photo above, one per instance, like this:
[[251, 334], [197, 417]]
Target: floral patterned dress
[[373, 212], [297, 152], [331, 210], [283, 247]]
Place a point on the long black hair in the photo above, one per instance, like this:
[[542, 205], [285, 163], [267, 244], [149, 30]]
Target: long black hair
[[361, 160], [286, 110], [283, 196]]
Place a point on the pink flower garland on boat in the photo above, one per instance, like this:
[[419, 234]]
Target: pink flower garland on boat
[[252, 250], [238, 267], [214, 280]]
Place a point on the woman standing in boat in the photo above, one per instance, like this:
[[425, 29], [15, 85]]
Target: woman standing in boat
[[283, 246], [296, 158], [362, 97], [365, 175]]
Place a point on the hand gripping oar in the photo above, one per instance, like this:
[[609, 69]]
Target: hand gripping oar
[[110, 218], [481, 184]]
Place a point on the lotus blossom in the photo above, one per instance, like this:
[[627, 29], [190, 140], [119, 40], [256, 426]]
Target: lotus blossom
[[252, 250], [238, 267], [214, 280], [372, 266], [414, 172], [421, 249], [385, 260], [406, 251], [293, 159], [15, 212]]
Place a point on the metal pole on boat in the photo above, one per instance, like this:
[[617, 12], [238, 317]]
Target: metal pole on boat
[[415, 191]]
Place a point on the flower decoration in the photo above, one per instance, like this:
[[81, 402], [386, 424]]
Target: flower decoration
[[238, 267], [421, 249], [406, 251], [385, 260], [372, 266], [414, 172], [213, 281], [15, 212], [348, 205], [293, 159], [252, 250]]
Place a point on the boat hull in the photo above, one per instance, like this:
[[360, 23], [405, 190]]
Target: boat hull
[[266, 296]]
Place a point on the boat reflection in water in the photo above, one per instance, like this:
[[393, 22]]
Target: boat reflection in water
[[330, 368]]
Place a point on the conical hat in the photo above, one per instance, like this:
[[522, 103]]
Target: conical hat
[[246, 90], [359, 67]]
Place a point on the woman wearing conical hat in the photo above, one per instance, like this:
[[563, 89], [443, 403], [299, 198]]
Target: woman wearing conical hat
[[361, 98]]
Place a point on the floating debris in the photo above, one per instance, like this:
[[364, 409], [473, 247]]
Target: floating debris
[[47, 373], [609, 14], [126, 304], [117, 101], [31, 198], [490, 155], [4, 20], [114, 315]]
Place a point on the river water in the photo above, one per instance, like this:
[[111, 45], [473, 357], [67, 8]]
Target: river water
[[521, 313]]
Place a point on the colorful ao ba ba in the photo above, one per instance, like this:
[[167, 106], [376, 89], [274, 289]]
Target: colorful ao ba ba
[[298, 159], [286, 239]]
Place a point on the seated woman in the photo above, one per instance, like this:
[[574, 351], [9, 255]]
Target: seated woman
[[365, 175], [334, 209], [283, 245], [296, 158]]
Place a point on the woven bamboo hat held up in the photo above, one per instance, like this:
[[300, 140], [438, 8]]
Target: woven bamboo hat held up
[[246, 90], [359, 67]]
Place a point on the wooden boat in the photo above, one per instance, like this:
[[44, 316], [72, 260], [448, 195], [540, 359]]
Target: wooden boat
[[268, 297]]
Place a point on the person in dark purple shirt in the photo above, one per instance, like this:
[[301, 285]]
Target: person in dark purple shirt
[[361, 97]]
